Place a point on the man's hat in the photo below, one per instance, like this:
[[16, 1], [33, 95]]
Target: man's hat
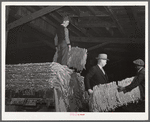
[[102, 56], [139, 62], [65, 18]]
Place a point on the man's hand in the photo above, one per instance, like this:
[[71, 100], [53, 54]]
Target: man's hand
[[90, 91], [69, 47], [56, 48]]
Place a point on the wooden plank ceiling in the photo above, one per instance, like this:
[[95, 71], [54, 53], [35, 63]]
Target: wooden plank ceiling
[[99, 29]]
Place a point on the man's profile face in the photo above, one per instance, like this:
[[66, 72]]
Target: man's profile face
[[103, 62], [66, 23], [137, 67]]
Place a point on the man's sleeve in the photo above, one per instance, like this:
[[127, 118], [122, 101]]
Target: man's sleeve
[[67, 36], [88, 78], [136, 82], [56, 40]]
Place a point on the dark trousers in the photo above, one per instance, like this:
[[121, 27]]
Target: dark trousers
[[63, 54]]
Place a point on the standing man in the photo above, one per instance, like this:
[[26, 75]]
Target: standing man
[[139, 80], [96, 74], [62, 42]]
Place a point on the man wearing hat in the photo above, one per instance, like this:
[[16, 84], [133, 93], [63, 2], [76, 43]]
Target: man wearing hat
[[62, 42], [139, 80], [96, 74]]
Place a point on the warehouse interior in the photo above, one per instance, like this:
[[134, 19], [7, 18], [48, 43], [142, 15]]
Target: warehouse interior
[[118, 31]]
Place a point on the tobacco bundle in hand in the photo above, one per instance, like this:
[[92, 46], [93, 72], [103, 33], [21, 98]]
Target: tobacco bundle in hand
[[132, 96], [106, 96], [77, 58]]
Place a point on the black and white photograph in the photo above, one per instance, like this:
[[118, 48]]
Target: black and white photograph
[[74, 60]]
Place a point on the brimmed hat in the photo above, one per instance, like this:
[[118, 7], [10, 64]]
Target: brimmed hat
[[65, 18], [102, 56], [139, 62]]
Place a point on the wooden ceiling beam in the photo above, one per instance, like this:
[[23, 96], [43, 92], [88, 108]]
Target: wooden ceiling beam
[[99, 23], [98, 46], [81, 30], [70, 28], [134, 19], [32, 16], [115, 19], [43, 17], [96, 13], [120, 50], [115, 42], [42, 34], [102, 40], [78, 13], [95, 31], [80, 24], [85, 15], [75, 10], [58, 19]]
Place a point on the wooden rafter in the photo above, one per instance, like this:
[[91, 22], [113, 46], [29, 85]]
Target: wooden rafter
[[83, 31], [115, 19], [134, 19], [111, 42], [47, 28], [97, 24], [95, 31], [97, 46], [76, 11], [71, 27], [58, 19], [102, 40], [86, 15], [43, 17], [122, 50], [96, 13], [41, 34], [32, 16]]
